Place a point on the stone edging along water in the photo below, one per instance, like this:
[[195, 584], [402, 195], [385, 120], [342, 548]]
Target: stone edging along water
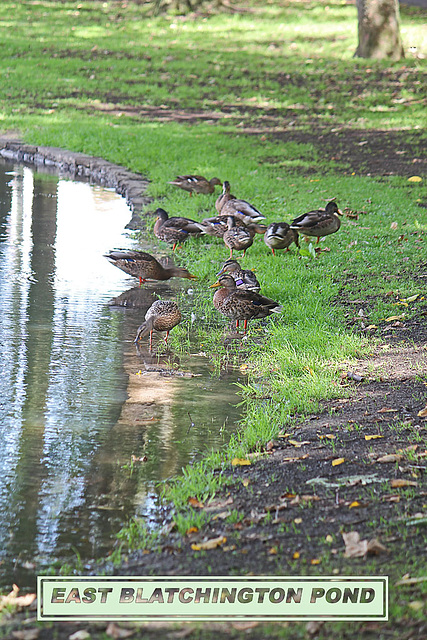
[[130, 185]]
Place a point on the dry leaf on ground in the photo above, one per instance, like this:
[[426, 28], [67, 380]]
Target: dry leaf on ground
[[18, 601], [357, 548], [400, 482], [337, 461], [422, 413], [193, 502], [26, 634], [81, 634], [209, 544], [408, 581], [116, 632], [239, 462], [217, 505], [391, 457], [294, 459], [313, 627]]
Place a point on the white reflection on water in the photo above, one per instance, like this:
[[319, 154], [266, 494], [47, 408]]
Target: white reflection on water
[[61, 355]]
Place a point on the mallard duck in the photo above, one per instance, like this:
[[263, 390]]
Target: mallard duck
[[163, 315], [145, 266], [224, 197], [196, 184], [227, 204], [237, 238], [279, 235], [241, 305], [242, 207], [318, 223], [175, 230], [245, 279], [217, 225]]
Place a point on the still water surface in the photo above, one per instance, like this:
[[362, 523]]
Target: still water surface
[[77, 400]]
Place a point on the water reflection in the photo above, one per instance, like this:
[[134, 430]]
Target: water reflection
[[77, 400]]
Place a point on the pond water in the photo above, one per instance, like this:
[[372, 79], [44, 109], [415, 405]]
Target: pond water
[[88, 423]]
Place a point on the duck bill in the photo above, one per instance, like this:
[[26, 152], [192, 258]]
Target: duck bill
[[214, 285]]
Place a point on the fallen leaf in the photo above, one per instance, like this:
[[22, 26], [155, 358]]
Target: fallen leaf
[[357, 548], [411, 447], [355, 503], [391, 457], [193, 502], [375, 547], [422, 413], [114, 631], [272, 551], [354, 546], [394, 226], [337, 461], [242, 626], [411, 298], [400, 482], [240, 462], [416, 605], [313, 627], [329, 539], [15, 600], [295, 458], [297, 520], [315, 561], [387, 410], [373, 437], [391, 318], [245, 482], [294, 443], [26, 634], [296, 555], [221, 515], [82, 634], [188, 532], [216, 505], [391, 498], [415, 179], [213, 543], [406, 580]]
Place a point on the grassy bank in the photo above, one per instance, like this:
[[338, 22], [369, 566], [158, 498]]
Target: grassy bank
[[271, 99]]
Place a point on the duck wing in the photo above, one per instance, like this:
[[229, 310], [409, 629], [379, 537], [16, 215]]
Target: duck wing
[[310, 220]]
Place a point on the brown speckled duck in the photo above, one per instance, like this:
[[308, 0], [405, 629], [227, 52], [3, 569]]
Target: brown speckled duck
[[245, 279], [237, 238], [196, 184], [163, 315], [224, 197], [241, 305], [318, 223], [279, 235], [175, 230], [145, 266], [227, 204], [217, 225]]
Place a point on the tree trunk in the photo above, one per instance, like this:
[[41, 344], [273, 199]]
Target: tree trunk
[[379, 34]]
